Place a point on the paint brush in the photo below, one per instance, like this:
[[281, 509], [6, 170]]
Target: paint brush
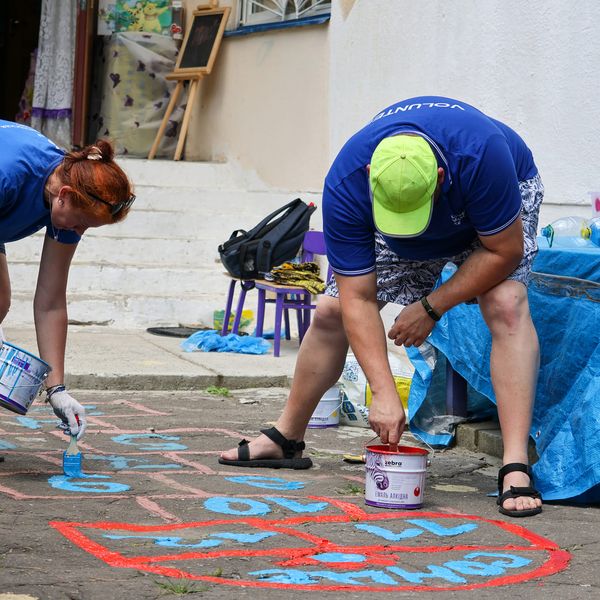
[[72, 459]]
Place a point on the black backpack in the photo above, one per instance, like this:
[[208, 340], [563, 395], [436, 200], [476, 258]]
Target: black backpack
[[277, 238]]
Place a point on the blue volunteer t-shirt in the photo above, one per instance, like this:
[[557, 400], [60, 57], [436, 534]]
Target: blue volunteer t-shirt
[[483, 160], [27, 158]]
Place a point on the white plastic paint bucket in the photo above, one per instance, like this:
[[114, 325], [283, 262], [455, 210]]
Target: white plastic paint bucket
[[327, 413], [395, 479], [21, 376]]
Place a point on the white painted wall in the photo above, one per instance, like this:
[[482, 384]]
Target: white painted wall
[[534, 65], [264, 108]]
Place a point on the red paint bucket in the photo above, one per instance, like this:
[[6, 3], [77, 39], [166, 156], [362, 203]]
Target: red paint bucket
[[395, 478]]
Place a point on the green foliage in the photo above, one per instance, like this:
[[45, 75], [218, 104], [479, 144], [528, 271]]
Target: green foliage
[[350, 490], [218, 391]]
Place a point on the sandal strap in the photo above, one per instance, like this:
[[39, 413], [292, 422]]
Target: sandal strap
[[519, 492], [244, 450], [511, 468], [289, 447]]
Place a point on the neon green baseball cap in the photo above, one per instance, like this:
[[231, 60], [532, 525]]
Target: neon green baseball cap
[[403, 177]]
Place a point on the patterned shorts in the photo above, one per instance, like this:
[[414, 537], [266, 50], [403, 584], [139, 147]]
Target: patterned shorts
[[404, 281]]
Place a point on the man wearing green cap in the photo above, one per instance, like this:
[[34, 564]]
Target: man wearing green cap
[[428, 181]]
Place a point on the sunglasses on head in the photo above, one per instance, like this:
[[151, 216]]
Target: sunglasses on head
[[117, 207]]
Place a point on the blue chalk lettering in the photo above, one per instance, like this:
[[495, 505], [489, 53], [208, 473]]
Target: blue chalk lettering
[[435, 572], [388, 535], [4, 445], [120, 463], [131, 439], [440, 530], [474, 567], [222, 504], [298, 577], [298, 507], [354, 577], [176, 542], [72, 484], [269, 483], [245, 538], [515, 561], [169, 542], [339, 557]]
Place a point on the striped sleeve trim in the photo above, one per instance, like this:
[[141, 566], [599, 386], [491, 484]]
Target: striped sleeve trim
[[502, 227], [353, 273]]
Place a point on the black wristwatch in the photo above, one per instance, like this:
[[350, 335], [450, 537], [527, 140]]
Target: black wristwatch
[[430, 310]]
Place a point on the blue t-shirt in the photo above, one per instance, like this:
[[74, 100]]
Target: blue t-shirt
[[27, 158], [483, 160]]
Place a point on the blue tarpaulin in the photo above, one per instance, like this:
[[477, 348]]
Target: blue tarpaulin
[[566, 419], [213, 341]]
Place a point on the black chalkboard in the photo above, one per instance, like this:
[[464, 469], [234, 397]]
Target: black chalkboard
[[202, 41]]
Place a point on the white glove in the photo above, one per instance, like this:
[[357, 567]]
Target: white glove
[[69, 411]]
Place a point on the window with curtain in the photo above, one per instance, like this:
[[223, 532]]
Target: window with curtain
[[254, 12]]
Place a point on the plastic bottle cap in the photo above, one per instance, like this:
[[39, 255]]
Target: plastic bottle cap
[[548, 233]]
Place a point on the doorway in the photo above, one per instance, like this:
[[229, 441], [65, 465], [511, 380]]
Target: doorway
[[19, 30]]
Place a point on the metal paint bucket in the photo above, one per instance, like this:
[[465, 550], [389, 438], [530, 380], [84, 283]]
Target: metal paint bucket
[[327, 413], [395, 479], [21, 376]]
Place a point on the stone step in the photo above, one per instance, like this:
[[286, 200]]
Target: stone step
[[160, 266], [128, 279], [182, 234], [197, 175], [139, 310], [141, 250]]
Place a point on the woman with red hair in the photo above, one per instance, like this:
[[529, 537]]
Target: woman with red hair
[[42, 186]]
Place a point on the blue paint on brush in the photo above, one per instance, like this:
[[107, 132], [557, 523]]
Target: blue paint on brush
[[72, 459]]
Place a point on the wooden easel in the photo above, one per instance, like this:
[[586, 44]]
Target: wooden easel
[[181, 79], [192, 73]]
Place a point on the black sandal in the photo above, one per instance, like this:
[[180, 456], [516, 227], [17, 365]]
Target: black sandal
[[289, 447], [516, 492]]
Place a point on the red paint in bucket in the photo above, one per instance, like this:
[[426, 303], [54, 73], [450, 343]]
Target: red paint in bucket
[[395, 478]]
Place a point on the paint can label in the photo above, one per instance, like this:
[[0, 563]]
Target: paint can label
[[395, 480], [327, 413], [21, 376]]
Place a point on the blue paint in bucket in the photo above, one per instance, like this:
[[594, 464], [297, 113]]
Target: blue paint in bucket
[[21, 377]]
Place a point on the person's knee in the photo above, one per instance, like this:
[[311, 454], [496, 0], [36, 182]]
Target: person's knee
[[328, 315], [505, 307]]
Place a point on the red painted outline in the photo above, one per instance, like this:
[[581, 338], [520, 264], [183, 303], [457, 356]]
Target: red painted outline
[[379, 555]]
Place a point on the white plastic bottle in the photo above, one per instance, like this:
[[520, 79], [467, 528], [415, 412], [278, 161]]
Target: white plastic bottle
[[592, 231], [566, 232]]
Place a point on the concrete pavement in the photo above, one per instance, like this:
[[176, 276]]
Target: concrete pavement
[[102, 358], [156, 516]]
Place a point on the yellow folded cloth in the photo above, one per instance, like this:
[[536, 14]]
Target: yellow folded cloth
[[305, 275]]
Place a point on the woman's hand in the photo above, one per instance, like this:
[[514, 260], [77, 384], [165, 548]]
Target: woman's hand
[[69, 411]]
